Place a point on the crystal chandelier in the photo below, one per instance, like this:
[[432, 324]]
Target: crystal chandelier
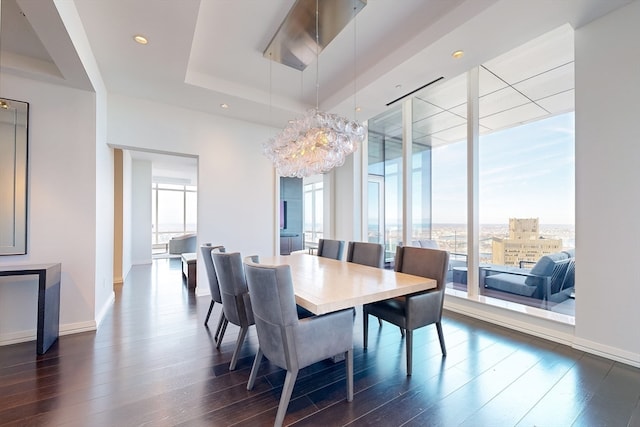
[[315, 143]]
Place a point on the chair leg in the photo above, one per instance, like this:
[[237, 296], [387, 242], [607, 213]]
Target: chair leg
[[287, 389], [349, 366], [401, 332], [380, 322], [219, 328], [254, 369], [222, 331], [409, 342], [236, 352], [365, 329], [441, 337], [206, 320]]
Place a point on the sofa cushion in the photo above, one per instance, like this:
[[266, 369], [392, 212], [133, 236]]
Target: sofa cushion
[[513, 283]]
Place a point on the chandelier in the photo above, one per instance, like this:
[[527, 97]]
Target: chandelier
[[314, 144], [318, 141]]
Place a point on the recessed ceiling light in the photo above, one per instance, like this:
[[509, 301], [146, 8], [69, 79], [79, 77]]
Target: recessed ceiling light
[[225, 106], [458, 54], [140, 39], [358, 109], [398, 86]]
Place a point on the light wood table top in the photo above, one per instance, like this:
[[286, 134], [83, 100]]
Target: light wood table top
[[323, 285]]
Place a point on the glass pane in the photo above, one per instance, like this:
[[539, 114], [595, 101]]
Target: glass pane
[[420, 182], [318, 216], [170, 211], [154, 225], [191, 223], [171, 187], [308, 213], [440, 173], [375, 226], [527, 175]]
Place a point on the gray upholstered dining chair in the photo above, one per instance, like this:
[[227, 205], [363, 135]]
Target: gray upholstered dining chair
[[365, 253], [414, 311], [214, 287], [236, 303], [288, 342], [328, 248]]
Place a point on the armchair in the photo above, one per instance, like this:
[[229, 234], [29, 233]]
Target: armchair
[[182, 244], [288, 342]]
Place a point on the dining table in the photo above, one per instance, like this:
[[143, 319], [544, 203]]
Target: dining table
[[323, 285]]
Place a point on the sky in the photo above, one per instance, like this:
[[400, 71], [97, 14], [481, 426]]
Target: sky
[[526, 171]]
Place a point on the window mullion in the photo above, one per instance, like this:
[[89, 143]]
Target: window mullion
[[473, 216]]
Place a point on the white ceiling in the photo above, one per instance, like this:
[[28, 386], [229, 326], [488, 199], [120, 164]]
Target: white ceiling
[[203, 53]]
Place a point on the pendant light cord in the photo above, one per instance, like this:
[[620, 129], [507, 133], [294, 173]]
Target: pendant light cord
[[355, 71], [317, 55]]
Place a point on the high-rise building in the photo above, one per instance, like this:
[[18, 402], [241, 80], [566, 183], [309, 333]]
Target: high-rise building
[[523, 244]]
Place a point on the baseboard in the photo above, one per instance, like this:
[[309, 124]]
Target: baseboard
[[31, 335], [608, 352]]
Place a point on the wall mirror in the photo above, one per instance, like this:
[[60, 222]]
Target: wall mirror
[[14, 117]]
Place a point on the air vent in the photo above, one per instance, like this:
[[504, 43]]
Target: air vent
[[414, 91]]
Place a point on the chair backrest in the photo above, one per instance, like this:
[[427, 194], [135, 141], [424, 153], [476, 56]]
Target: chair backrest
[[214, 286], [236, 303], [553, 266], [570, 276], [330, 248], [558, 274], [424, 262], [371, 254], [274, 310]]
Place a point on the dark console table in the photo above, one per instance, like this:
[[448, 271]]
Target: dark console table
[[48, 299]]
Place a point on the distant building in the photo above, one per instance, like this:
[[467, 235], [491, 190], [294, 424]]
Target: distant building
[[524, 243]]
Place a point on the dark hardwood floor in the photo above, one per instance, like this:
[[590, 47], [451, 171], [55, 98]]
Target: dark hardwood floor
[[153, 363]]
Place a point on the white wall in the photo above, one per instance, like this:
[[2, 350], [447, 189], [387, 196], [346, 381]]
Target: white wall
[[347, 200], [101, 162], [62, 208], [140, 203], [607, 178], [236, 198]]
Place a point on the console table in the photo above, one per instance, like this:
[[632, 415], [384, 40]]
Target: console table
[[48, 299]]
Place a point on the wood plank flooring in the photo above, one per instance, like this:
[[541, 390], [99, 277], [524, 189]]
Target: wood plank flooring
[[153, 363]]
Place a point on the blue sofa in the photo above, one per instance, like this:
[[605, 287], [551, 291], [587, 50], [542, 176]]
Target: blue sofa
[[552, 278]]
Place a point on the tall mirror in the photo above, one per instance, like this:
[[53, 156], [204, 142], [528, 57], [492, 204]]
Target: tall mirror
[[13, 176]]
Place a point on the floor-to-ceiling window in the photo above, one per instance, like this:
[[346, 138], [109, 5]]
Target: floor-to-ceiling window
[[385, 180], [439, 189], [174, 211], [313, 211], [526, 173], [527, 170]]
